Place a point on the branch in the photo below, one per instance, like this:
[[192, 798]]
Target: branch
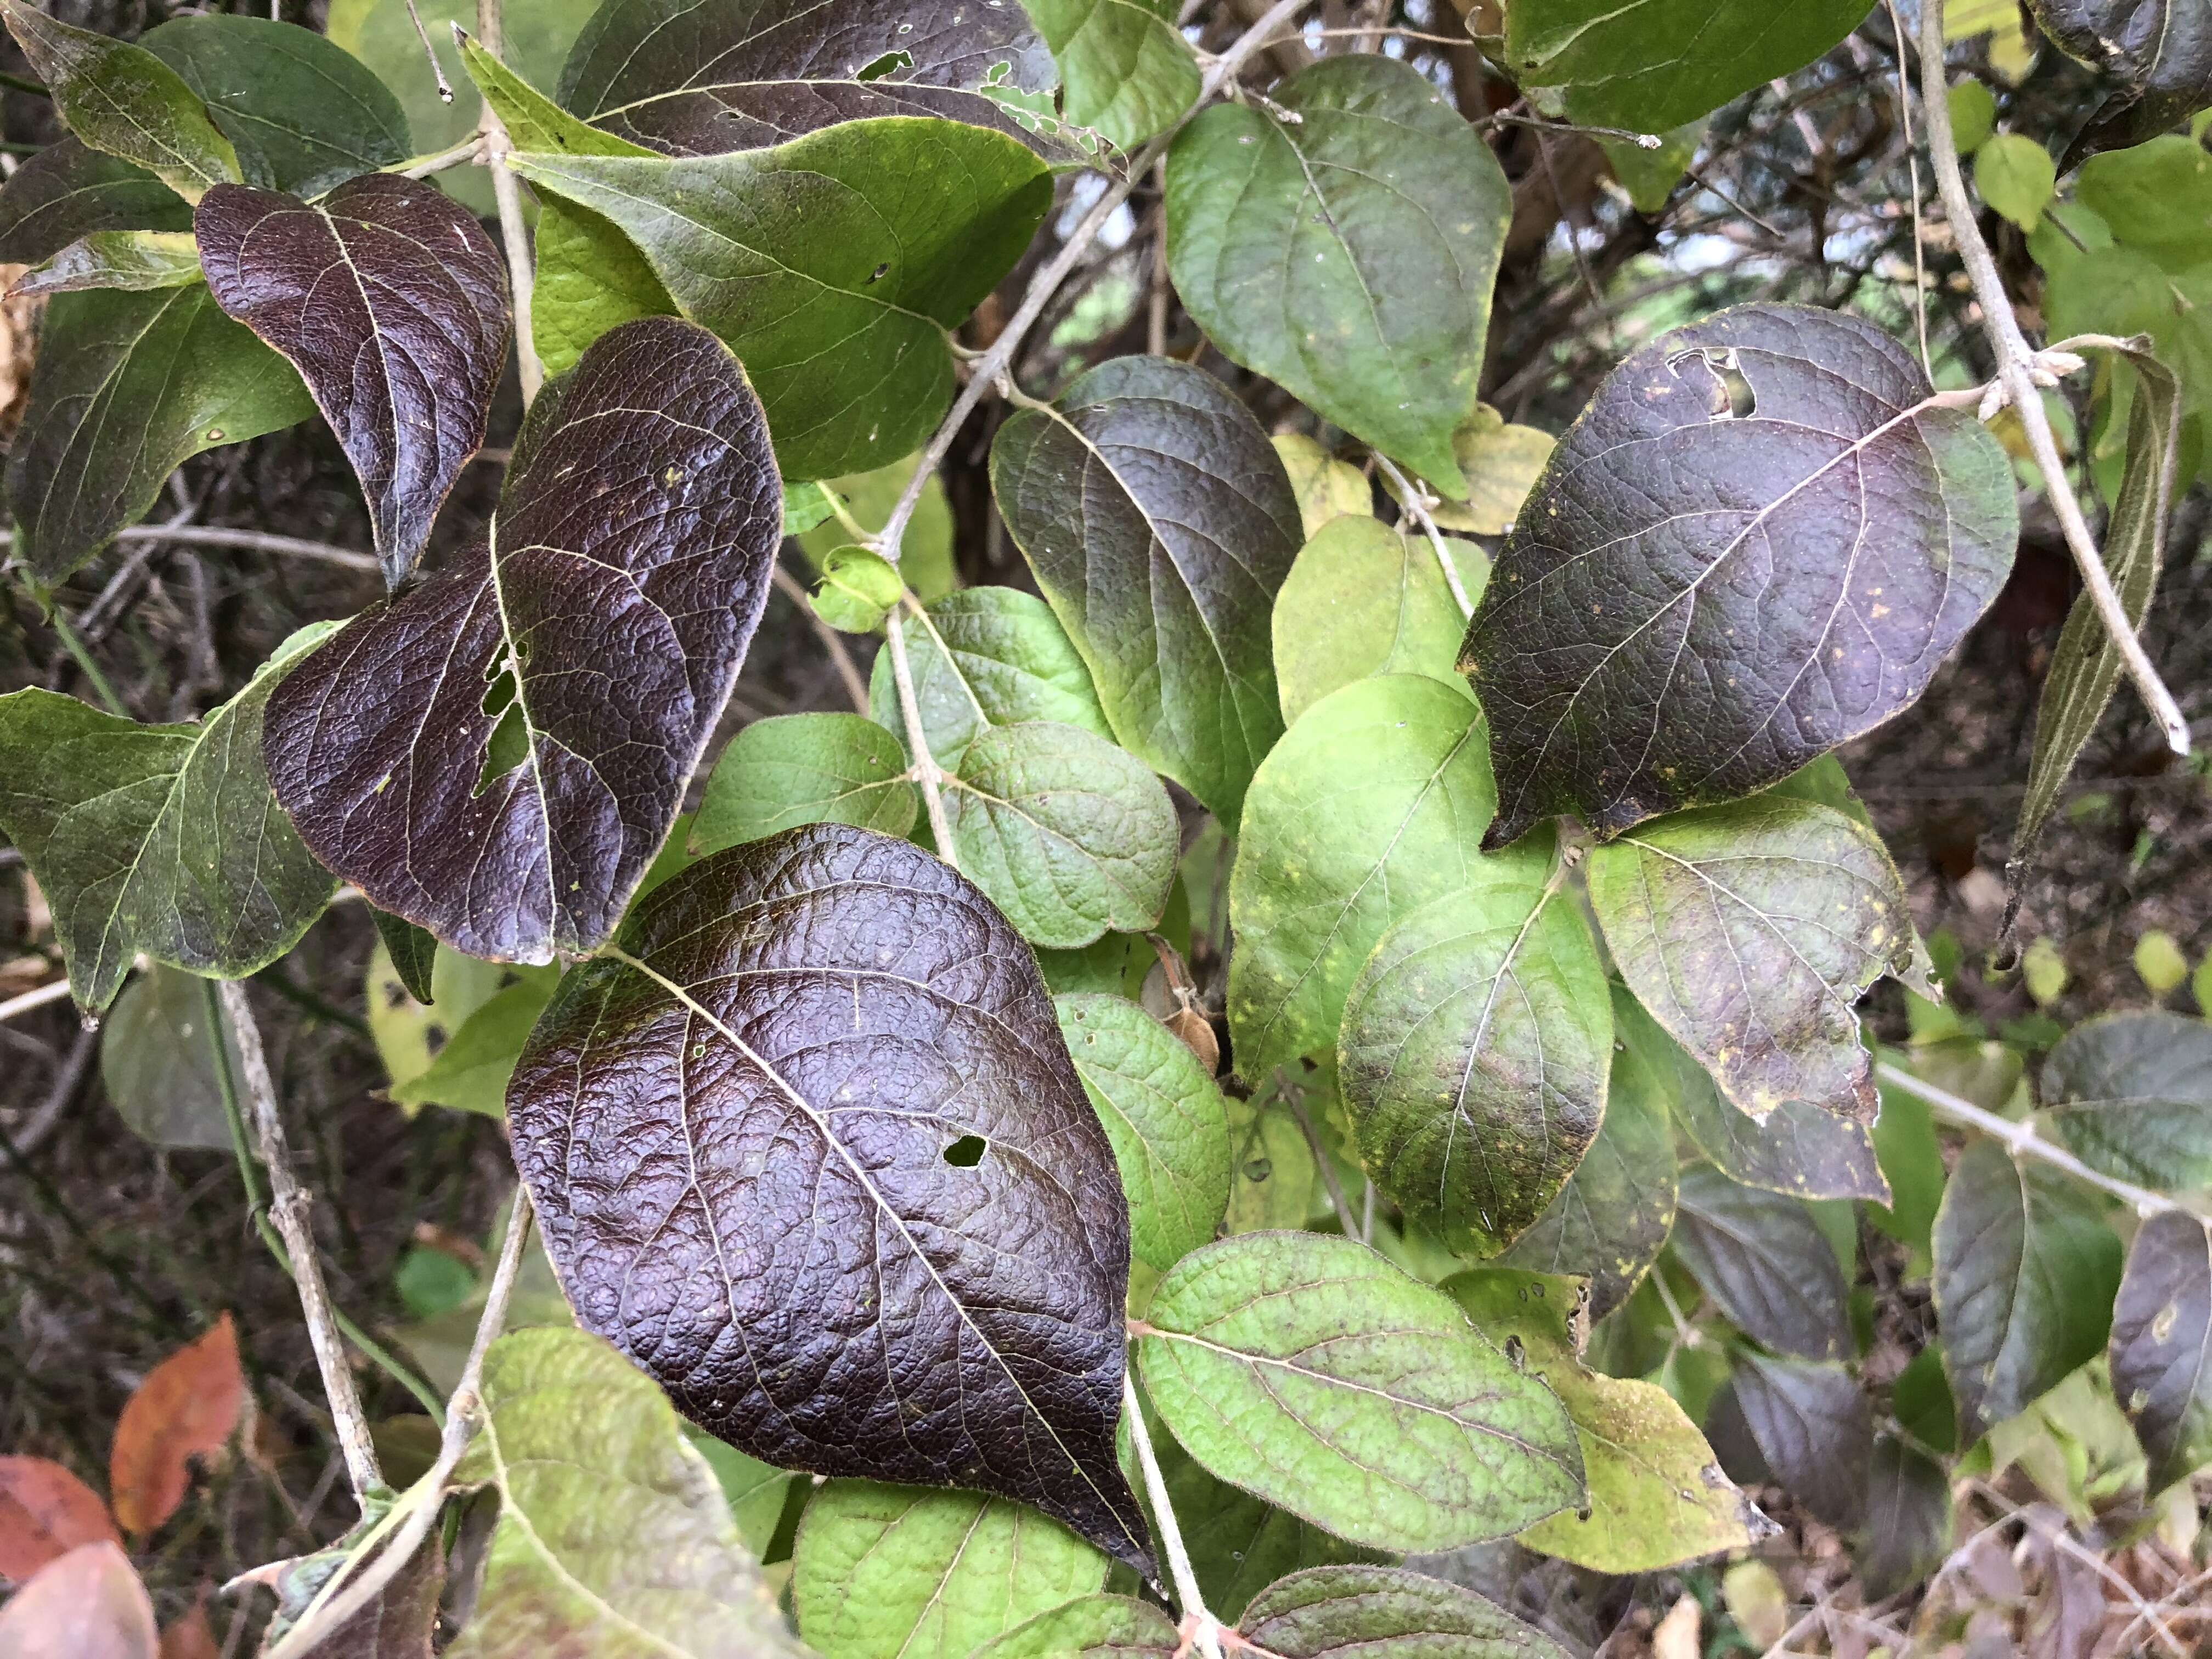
[[288, 1207], [411, 1520], [2025, 1142], [926, 771], [506, 190], [52, 991], [255, 540], [1204, 1628], [2018, 369], [1414, 498]]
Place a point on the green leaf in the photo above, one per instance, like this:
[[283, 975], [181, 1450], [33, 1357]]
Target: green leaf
[[1799, 1149], [1363, 599], [412, 951], [1160, 524], [442, 1342], [1474, 1052], [1764, 1262], [1371, 806], [1343, 243], [1165, 1118], [431, 1281], [1750, 932], [1125, 70], [791, 769], [408, 1028], [906, 1572], [164, 839], [613, 1537], [925, 548], [1649, 175], [1658, 1496], [470, 1072], [2162, 1350], [1499, 463], [1095, 1628], [1921, 1401], [1610, 1221], [118, 97], [380, 33], [858, 590], [1312, 1372], [2017, 177], [1910, 1524], [1384, 1612], [756, 1492], [157, 1061], [1656, 64], [304, 114], [1238, 1544], [1973, 115], [1911, 1158], [1326, 488], [590, 278], [2132, 1094], [1274, 1181], [832, 265], [804, 506], [137, 260], [534, 121], [2026, 1270], [2156, 196], [130, 387], [986, 657], [1069, 836], [2085, 665], [68, 191]]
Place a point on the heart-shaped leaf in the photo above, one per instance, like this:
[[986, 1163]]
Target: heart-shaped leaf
[[391, 301], [1071, 837], [1652, 66], [1343, 242], [164, 839], [118, 97], [811, 1150], [2159, 52], [833, 264], [984, 657], [1384, 1612], [1474, 1051], [1814, 1430], [731, 74], [1095, 1628], [2161, 1348], [1610, 1221], [69, 189], [2132, 1094], [1750, 932], [1170, 1129], [791, 769], [303, 113], [1759, 541], [1657, 1495], [1310, 1371], [906, 1572], [1125, 71], [613, 1536], [2027, 1268], [455, 751], [1370, 807], [129, 387], [1160, 523], [1362, 599], [1764, 1262]]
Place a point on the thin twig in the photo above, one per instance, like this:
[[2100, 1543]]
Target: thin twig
[[832, 641], [2081, 1553], [1912, 156], [1293, 1098], [927, 772], [2024, 1142], [2017, 365], [255, 540], [52, 991], [468, 151], [289, 1208], [1204, 1628], [1413, 497], [411, 1520]]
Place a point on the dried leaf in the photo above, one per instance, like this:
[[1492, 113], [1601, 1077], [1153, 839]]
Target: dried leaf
[[87, 1604], [45, 1511], [183, 1413]]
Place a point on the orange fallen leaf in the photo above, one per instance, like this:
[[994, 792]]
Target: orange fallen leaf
[[185, 1411], [45, 1512], [87, 1604]]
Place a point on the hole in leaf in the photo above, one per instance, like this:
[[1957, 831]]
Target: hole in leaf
[[885, 66], [1742, 399], [880, 272], [510, 746], [498, 695], [966, 1152]]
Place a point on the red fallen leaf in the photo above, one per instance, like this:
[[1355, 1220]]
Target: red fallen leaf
[[190, 1637], [185, 1410], [87, 1604], [46, 1512]]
